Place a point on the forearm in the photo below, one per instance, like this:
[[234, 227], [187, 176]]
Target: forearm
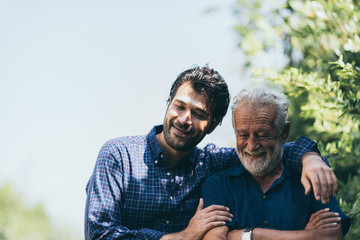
[[175, 236], [101, 222], [121, 232], [218, 233], [270, 234]]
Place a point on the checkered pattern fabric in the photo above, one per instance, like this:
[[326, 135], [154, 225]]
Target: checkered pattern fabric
[[134, 194]]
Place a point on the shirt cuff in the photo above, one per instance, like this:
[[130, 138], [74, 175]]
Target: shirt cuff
[[300, 147]]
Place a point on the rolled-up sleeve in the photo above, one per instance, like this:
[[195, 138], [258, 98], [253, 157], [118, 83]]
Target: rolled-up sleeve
[[295, 150]]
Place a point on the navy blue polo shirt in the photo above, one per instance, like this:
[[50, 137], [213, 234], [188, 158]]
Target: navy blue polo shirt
[[284, 206]]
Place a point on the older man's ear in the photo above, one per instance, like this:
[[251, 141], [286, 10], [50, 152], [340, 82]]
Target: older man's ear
[[285, 132]]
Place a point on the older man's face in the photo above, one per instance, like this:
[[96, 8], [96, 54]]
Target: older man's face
[[257, 141]]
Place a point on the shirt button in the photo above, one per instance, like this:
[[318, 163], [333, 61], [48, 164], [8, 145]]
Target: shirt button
[[168, 173], [167, 221], [161, 156], [265, 197], [266, 223], [156, 161], [171, 198]]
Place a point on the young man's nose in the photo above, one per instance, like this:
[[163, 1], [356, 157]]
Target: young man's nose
[[185, 118]]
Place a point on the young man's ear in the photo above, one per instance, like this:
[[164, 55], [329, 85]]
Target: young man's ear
[[212, 127], [285, 132]]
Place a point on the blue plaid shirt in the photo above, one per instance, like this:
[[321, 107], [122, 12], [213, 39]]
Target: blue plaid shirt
[[134, 194]]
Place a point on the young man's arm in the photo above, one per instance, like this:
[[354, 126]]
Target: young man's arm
[[103, 218], [102, 213], [304, 155], [203, 220]]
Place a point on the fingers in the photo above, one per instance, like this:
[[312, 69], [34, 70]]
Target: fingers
[[216, 208], [307, 185], [323, 180], [318, 213], [206, 219], [201, 205], [324, 219], [329, 184], [328, 222], [217, 213], [217, 219], [323, 186], [335, 183], [315, 181]]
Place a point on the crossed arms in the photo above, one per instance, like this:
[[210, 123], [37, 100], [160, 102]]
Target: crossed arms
[[323, 225]]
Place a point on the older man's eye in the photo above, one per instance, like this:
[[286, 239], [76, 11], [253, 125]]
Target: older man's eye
[[243, 135], [264, 137]]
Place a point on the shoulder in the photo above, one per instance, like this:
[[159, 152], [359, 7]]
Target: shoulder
[[121, 147], [224, 176], [126, 142], [215, 153], [212, 148]]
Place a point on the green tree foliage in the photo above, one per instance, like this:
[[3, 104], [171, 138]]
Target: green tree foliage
[[321, 40], [19, 222]]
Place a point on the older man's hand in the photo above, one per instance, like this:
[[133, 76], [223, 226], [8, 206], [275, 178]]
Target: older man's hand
[[322, 178], [323, 219]]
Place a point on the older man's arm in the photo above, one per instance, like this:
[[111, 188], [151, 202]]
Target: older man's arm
[[322, 224], [222, 233], [323, 234]]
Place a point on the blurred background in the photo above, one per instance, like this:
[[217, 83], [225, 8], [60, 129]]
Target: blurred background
[[74, 74]]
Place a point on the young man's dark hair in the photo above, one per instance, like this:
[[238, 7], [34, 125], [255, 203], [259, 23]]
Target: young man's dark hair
[[206, 80]]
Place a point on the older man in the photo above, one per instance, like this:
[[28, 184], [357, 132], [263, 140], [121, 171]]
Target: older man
[[264, 195], [148, 187]]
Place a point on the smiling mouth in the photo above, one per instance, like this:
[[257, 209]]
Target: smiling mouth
[[254, 154], [179, 132]]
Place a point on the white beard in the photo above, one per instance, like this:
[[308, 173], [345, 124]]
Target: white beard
[[262, 165]]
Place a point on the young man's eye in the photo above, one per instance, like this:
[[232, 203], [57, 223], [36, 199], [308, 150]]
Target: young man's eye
[[179, 107], [199, 115]]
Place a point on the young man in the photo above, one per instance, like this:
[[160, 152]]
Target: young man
[[148, 187], [264, 193]]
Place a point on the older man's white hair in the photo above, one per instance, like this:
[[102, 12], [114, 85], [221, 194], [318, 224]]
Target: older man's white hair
[[262, 96]]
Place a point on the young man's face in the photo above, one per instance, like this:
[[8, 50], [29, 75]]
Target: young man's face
[[258, 145], [187, 119]]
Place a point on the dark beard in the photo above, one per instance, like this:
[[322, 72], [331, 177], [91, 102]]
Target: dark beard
[[182, 146]]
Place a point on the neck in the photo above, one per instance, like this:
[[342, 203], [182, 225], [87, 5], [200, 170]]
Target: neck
[[267, 180], [172, 156]]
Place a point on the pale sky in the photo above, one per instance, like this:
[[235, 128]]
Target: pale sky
[[74, 74]]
